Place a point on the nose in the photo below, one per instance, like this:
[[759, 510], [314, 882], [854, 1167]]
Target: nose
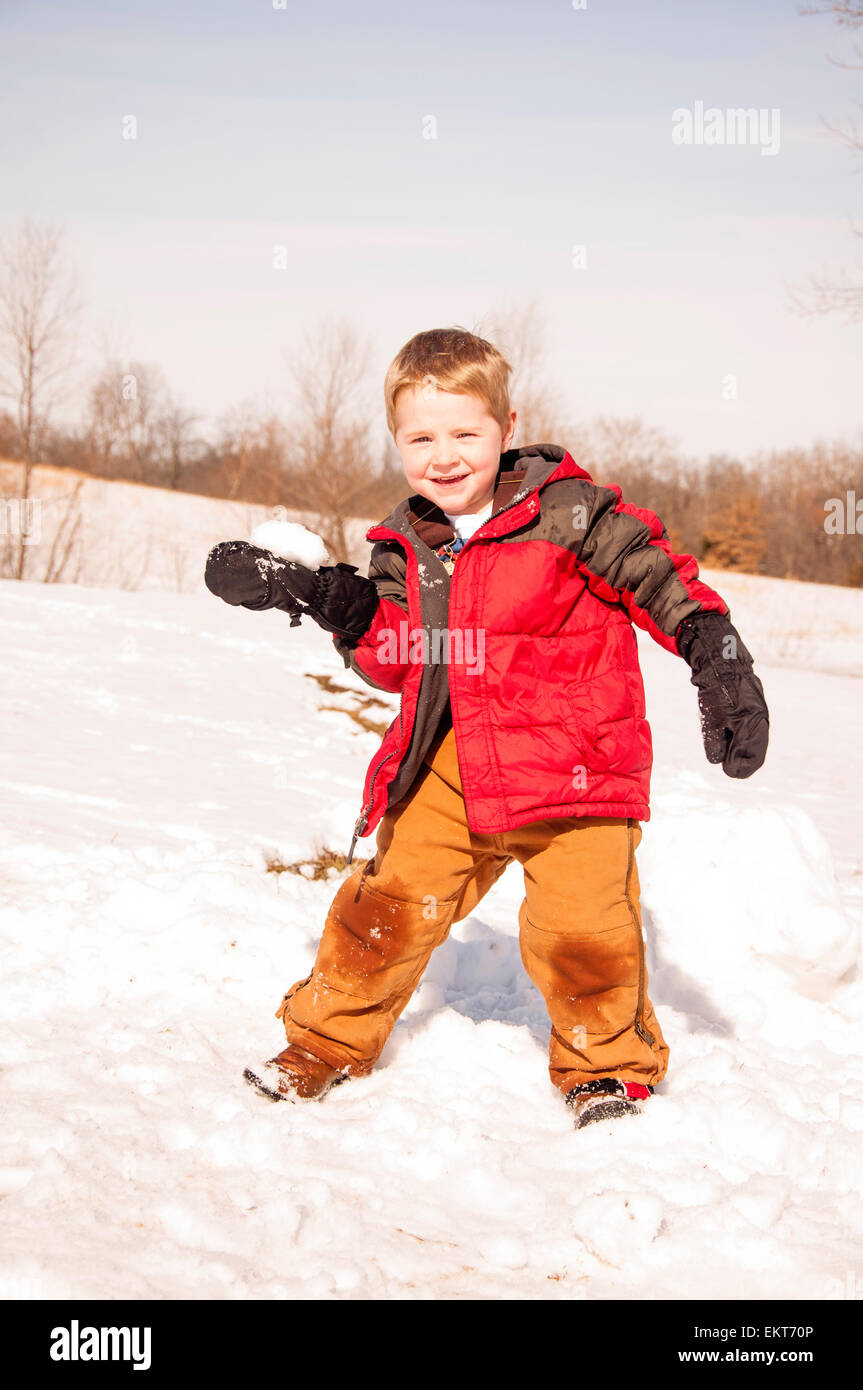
[[444, 458]]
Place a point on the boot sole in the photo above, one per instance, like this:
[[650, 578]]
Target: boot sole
[[608, 1109], [272, 1094]]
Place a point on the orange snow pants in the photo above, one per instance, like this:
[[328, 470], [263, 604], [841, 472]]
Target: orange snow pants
[[580, 932]]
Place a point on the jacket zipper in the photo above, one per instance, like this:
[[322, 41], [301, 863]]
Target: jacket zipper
[[362, 819]]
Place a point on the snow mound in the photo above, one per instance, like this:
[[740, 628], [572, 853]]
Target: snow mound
[[743, 889]]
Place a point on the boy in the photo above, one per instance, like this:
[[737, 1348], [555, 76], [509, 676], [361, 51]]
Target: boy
[[499, 603]]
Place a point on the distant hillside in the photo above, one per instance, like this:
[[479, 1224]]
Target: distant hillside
[[131, 536]]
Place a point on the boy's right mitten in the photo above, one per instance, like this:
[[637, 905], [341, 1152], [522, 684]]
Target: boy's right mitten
[[239, 573], [734, 715], [340, 600]]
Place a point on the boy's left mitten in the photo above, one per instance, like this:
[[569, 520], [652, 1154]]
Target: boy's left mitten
[[734, 716], [340, 600]]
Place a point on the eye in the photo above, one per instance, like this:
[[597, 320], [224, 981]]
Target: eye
[[467, 434]]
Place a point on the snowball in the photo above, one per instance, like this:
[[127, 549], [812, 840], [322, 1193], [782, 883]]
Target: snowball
[[291, 541]]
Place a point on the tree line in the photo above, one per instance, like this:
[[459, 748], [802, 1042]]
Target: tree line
[[327, 455]]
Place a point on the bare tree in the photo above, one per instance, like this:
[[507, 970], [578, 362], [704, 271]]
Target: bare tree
[[125, 566], [64, 558], [518, 332], [843, 293], [39, 308], [178, 442], [611, 444], [136, 429], [251, 450], [330, 466], [110, 418], [848, 15], [180, 564]]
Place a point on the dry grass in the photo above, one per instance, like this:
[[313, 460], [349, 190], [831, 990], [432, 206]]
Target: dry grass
[[355, 711], [317, 868]]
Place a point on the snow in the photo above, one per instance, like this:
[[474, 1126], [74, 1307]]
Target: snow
[[129, 536], [159, 749], [291, 541]]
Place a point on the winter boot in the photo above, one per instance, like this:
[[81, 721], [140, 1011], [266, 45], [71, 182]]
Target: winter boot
[[605, 1097], [294, 1075]]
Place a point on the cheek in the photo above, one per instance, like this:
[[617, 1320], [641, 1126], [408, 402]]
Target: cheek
[[414, 470]]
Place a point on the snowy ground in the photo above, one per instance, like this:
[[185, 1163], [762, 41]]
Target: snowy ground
[[128, 535], [158, 749]]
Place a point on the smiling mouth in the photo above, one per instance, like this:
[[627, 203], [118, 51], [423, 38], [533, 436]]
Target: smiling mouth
[[448, 482]]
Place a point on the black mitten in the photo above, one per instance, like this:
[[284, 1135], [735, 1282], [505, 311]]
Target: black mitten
[[240, 574], [339, 599], [734, 716]]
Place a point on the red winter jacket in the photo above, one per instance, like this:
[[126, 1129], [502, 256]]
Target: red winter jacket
[[530, 643]]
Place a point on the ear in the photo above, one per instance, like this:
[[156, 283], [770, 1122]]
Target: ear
[[510, 431]]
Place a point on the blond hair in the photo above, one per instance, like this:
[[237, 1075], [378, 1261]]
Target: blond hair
[[451, 359]]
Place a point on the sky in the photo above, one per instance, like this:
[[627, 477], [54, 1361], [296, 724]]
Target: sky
[[432, 165]]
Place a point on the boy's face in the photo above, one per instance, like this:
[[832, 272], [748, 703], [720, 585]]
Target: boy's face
[[450, 446]]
